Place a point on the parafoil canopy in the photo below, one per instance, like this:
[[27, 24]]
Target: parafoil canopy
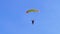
[[32, 10]]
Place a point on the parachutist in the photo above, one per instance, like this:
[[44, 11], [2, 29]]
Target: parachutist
[[32, 10], [32, 21]]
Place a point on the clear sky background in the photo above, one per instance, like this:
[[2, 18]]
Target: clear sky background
[[13, 19]]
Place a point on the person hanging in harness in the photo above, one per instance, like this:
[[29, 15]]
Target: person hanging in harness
[[32, 21]]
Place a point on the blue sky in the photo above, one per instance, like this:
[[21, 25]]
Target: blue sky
[[13, 19]]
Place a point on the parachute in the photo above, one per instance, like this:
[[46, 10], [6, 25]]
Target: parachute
[[32, 10]]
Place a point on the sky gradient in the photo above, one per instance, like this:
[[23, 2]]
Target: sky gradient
[[13, 19]]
